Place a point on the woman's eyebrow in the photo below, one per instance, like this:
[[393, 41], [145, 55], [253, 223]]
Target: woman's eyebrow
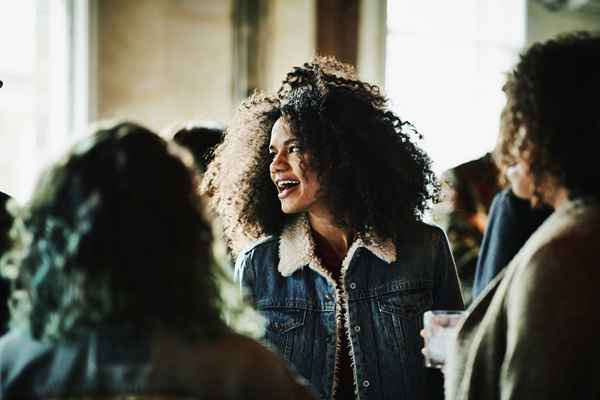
[[285, 143], [291, 140]]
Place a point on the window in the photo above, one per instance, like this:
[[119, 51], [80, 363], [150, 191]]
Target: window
[[445, 66], [18, 100], [45, 96]]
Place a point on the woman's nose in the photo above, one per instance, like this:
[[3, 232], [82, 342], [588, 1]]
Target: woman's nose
[[279, 163]]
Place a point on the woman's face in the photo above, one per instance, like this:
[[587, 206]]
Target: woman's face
[[520, 179], [296, 183]]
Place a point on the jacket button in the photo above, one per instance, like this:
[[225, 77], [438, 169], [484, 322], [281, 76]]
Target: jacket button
[[366, 383], [352, 285], [356, 328]]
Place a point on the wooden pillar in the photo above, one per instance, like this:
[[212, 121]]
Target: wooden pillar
[[337, 29]]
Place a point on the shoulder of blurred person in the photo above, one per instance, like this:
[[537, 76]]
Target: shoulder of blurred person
[[229, 367], [511, 222], [529, 334]]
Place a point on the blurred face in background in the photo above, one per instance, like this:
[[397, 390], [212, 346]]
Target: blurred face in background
[[518, 172], [521, 180]]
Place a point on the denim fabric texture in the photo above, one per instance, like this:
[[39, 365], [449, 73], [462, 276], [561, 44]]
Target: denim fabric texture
[[512, 221], [388, 287]]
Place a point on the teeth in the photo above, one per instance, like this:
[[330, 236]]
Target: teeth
[[282, 184]]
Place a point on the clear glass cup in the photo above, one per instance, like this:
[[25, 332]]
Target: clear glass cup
[[440, 327]]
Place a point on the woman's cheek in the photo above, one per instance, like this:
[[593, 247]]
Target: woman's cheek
[[520, 181]]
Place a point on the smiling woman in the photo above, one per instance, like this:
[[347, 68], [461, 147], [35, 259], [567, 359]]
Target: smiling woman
[[335, 185], [296, 182]]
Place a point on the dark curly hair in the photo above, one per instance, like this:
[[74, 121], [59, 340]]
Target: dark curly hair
[[115, 233], [378, 182], [200, 141], [552, 115]]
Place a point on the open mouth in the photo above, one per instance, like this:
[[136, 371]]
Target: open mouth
[[286, 186]]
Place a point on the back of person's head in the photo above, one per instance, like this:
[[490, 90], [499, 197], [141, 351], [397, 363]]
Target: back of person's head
[[473, 185], [200, 141], [552, 112], [115, 233]]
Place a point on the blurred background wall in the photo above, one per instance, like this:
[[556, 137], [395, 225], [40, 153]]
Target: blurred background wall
[[67, 63], [163, 60]]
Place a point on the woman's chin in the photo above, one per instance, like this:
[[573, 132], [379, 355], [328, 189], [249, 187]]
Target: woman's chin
[[289, 210]]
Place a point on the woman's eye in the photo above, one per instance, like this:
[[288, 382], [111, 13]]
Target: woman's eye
[[295, 149]]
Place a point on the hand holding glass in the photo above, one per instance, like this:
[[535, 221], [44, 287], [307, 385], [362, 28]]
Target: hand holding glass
[[439, 330]]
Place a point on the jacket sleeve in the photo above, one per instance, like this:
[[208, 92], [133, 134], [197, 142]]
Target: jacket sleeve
[[495, 247], [446, 296], [244, 274], [511, 223], [446, 289]]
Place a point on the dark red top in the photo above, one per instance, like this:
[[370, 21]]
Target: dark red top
[[333, 264]]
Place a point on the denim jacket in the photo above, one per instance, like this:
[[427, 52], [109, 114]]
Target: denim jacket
[[387, 286]]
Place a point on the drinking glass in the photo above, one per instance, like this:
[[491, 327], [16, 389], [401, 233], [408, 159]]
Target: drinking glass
[[440, 328]]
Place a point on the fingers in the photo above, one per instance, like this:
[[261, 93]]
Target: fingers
[[441, 320], [425, 334]]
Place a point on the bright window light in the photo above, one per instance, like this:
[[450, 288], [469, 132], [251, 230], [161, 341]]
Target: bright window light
[[446, 62], [18, 100], [42, 86]]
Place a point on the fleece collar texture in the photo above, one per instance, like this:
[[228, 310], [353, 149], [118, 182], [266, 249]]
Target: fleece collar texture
[[297, 249]]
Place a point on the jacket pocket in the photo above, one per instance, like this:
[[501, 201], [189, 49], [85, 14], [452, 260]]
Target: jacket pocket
[[402, 318], [283, 326]]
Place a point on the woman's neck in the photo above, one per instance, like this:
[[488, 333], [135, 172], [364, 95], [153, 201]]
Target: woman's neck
[[554, 193], [337, 238], [560, 197]]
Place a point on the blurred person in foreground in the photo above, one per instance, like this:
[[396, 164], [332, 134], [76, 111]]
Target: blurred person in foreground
[[336, 183], [115, 291], [534, 332]]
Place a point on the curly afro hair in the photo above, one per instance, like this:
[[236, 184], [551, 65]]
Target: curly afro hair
[[115, 233], [378, 182], [552, 116]]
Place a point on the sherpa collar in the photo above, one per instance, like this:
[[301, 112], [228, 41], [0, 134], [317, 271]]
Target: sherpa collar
[[297, 249]]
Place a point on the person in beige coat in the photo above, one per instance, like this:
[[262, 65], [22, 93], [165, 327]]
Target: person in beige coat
[[533, 334]]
